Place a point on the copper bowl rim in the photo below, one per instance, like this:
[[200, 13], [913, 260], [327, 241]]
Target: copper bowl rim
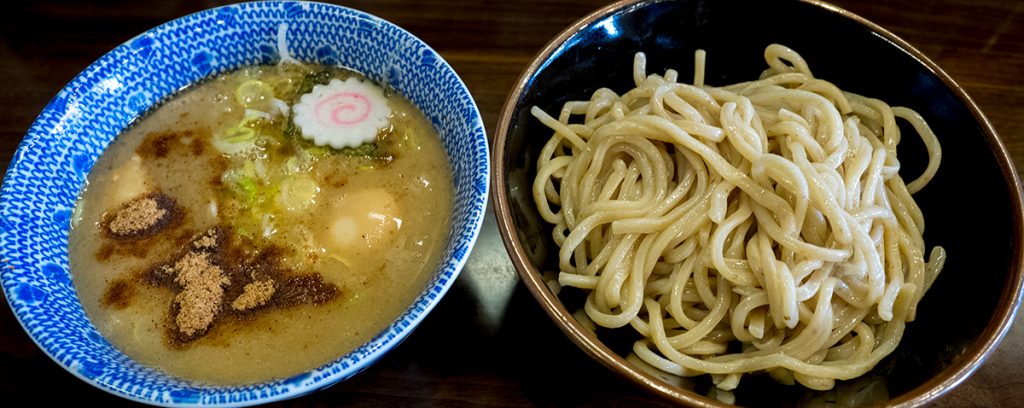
[[943, 382]]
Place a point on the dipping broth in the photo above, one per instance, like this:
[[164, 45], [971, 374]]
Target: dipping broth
[[217, 242]]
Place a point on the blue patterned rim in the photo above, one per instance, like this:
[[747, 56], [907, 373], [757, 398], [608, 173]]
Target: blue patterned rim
[[55, 156]]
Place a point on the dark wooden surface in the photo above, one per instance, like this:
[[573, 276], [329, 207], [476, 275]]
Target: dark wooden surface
[[487, 343]]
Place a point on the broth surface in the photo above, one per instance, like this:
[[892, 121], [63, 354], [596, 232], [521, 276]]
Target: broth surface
[[174, 150]]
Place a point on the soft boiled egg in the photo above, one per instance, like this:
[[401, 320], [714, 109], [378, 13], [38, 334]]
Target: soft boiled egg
[[129, 180], [363, 220]]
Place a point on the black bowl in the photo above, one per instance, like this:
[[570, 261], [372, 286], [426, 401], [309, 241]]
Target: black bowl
[[972, 208]]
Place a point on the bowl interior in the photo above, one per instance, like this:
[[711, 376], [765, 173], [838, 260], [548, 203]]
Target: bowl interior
[[971, 208], [52, 162]]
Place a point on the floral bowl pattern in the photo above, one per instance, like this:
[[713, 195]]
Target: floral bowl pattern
[[53, 160]]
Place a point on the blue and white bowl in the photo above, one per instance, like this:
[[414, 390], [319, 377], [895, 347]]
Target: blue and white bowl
[[54, 159]]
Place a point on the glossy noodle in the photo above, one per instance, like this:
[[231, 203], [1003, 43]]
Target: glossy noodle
[[757, 227]]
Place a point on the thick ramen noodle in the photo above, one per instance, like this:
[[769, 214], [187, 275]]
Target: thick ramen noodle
[[756, 227], [261, 223]]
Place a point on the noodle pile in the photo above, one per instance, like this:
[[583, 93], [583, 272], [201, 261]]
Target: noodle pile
[[756, 227]]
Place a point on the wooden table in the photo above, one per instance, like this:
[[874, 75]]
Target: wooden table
[[487, 343]]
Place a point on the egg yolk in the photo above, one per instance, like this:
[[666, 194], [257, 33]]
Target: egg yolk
[[364, 220]]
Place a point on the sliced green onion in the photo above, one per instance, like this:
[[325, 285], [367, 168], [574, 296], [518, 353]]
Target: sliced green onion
[[297, 192], [254, 94], [292, 166], [237, 134]]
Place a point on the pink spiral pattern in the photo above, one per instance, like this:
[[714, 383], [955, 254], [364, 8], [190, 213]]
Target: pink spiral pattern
[[343, 109]]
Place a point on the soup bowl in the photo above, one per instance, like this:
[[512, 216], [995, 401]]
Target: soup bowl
[[51, 165], [972, 207]]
